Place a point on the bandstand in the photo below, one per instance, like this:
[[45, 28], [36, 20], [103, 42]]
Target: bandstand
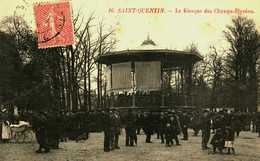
[[149, 77]]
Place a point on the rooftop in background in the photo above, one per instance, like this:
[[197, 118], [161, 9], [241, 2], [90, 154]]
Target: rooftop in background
[[149, 51]]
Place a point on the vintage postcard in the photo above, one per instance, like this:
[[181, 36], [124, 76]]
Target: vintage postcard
[[129, 80]]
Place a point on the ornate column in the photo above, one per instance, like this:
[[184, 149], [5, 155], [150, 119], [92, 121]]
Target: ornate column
[[188, 84]]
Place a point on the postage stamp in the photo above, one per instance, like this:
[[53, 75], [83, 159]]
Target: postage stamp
[[54, 24]]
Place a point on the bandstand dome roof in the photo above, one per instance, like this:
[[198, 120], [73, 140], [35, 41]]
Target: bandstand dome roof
[[149, 51]]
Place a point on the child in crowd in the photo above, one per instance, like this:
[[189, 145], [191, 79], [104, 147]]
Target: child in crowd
[[168, 135], [218, 141], [229, 139]]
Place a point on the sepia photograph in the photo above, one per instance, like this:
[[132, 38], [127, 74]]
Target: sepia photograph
[[129, 80]]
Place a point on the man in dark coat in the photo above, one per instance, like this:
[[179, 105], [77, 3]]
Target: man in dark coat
[[139, 121], [115, 129], [237, 123], [130, 128], [148, 127], [54, 128], [184, 121], [39, 124], [107, 130], [162, 126], [195, 122], [218, 141], [112, 130], [117, 126], [172, 130], [169, 130], [177, 128], [205, 128]]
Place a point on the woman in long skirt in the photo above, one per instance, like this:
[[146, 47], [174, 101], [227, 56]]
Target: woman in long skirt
[[6, 131]]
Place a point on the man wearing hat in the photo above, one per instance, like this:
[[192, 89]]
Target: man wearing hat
[[107, 130], [205, 128], [130, 128]]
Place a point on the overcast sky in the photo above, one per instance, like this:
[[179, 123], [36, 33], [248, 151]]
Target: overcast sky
[[169, 29]]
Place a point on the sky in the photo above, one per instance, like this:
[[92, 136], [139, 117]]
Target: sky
[[168, 29]]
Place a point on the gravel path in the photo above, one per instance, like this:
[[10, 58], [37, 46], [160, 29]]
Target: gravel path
[[247, 149]]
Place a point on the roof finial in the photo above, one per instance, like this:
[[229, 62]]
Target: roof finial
[[148, 36], [148, 41]]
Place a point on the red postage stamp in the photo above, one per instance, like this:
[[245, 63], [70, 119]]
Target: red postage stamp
[[54, 24]]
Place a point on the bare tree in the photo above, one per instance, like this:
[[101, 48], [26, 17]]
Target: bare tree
[[241, 61]]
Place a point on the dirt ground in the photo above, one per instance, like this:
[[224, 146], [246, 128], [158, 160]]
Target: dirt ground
[[247, 149]]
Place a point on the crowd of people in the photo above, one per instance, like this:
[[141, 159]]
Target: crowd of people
[[168, 125]]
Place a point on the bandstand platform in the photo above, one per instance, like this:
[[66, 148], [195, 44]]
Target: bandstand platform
[[149, 78]]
